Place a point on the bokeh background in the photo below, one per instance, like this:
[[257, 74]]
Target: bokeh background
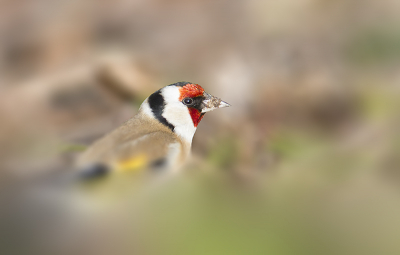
[[307, 159]]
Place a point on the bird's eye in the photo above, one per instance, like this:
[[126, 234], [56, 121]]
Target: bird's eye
[[188, 101]]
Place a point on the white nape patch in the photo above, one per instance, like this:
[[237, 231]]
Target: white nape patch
[[178, 114], [145, 108]]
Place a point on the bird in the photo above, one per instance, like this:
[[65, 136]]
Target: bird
[[159, 137]]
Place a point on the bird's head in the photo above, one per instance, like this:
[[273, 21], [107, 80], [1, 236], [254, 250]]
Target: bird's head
[[181, 106]]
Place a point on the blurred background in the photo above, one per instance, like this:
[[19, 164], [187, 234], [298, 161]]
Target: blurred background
[[307, 159]]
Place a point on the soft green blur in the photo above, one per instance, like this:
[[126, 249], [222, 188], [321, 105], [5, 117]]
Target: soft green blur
[[306, 161]]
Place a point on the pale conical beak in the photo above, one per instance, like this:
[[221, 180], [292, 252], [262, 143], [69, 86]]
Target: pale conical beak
[[211, 103]]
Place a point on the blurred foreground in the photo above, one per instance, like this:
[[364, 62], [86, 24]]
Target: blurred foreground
[[307, 161]]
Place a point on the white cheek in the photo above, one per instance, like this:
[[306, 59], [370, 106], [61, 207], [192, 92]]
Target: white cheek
[[178, 114]]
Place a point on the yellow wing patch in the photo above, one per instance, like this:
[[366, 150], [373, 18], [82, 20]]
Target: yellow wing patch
[[132, 164]]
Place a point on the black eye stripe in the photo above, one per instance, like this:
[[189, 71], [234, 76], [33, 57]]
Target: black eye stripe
[[196, 102]]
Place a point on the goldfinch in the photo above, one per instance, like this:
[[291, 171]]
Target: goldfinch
[[158, 137]]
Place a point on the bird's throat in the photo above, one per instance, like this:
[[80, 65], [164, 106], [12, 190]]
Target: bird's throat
[[196, 115]]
